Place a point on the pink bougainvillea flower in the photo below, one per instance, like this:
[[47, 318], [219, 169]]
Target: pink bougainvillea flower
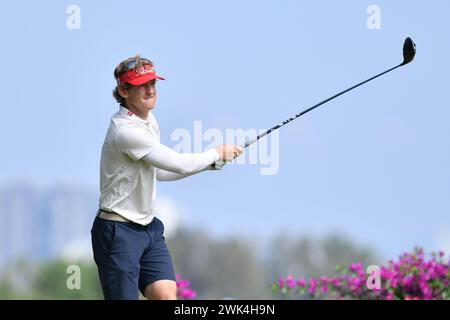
[[412, 276]]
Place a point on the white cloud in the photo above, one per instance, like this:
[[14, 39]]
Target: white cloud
[[78, 249], [169, 214]]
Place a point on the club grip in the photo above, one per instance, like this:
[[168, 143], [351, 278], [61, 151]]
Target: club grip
[[219, 164]]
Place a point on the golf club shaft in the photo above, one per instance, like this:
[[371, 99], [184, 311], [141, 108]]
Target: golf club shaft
[[249, 142]]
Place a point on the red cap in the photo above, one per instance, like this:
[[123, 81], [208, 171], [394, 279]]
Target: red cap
[[140, 76]]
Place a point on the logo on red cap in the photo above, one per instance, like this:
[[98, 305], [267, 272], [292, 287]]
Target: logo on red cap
[[139, 76]]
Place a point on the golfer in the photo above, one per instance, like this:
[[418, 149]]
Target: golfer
[[127, 239]]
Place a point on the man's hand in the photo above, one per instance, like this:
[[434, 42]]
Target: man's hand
[[228, 152]]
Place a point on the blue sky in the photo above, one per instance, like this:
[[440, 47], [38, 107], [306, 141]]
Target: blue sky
[[372, 164]]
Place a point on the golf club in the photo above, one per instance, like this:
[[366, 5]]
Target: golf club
[[409, 51]]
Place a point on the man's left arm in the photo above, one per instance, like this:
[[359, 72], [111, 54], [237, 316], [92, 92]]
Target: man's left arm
[[164, 175]]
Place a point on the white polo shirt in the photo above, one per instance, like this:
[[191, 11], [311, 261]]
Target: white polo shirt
[[132, 157]]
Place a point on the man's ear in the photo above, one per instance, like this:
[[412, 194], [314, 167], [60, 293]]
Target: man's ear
[[123, 92]]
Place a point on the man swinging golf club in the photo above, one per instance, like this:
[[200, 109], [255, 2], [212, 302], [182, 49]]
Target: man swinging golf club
[[128, 242], [127, 239]]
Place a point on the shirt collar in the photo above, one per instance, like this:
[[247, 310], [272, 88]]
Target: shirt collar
[[130, 115]]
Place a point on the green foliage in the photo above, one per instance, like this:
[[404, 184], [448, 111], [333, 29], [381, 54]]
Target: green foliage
[[216, 268], [219, 268], [50, 280]]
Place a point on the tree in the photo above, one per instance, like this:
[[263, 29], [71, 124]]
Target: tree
[[307, 257], [53, 281], [219, 268]]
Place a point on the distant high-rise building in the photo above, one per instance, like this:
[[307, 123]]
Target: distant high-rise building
[[37, 224]]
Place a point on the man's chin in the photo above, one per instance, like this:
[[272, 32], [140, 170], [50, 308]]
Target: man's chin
[[149, 105]]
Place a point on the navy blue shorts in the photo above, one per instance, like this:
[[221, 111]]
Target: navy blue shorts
[[130, 256]]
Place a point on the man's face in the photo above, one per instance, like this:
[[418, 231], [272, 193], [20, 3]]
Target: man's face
[[142, 97]]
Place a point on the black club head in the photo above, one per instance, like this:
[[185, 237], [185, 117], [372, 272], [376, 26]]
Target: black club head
[[409, 51]]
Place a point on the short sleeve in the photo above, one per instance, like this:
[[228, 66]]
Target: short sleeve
[[134, 141]]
